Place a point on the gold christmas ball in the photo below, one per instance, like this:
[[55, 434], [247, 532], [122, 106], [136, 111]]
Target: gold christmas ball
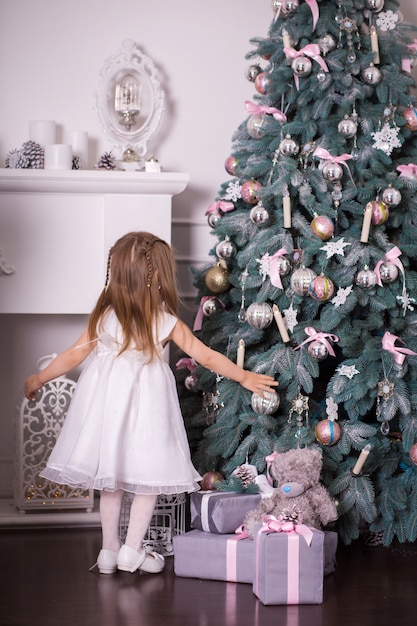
[[217, 279]]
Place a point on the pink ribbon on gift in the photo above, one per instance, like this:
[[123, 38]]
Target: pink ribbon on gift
[[220, 205], [269, 460], [198, 322], [388, 343], [321, 337], [186, 362], [273, 270], [408, 171], [390, 257], [312, 50], [231, 553], [272, 524], [322, 153], [253, 109]]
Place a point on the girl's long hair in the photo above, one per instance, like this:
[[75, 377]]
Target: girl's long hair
[[141, 279]]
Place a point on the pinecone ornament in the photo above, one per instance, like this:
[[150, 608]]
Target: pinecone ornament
[[290, 514], [34, 154], [76, 163], [246, 473], [12, 159], [106, 162]]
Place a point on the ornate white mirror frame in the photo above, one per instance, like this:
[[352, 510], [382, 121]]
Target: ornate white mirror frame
[[129, 101]]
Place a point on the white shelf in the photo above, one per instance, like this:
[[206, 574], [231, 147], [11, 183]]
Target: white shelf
[[92, 182], [11, 517]]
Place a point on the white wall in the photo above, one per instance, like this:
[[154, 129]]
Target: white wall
[[51, 53]]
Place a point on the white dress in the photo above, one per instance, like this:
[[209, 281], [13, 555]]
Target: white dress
[[124, 428]]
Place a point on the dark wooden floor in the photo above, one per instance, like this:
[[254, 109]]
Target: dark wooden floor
[[45, 581]]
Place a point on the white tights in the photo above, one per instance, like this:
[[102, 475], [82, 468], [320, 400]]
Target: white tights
[[140, 516]]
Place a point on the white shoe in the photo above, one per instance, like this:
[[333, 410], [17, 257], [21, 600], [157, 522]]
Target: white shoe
[[107, 561], [129, 560]]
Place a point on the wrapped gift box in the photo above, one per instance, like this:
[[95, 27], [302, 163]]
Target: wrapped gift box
[[220, 511], [198, 554], [330, 548], [288, 566]]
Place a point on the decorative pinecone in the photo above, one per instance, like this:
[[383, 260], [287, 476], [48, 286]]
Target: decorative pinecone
[[34, 153], [76, 163], [106, 162], [290, 514], [12, 159], [246, 474]]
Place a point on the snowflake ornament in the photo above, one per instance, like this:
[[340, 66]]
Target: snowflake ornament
[[331, 409], [264, 263], [386, 139], [233, 191], [387, 20], [406, 301], [341, 296], [335, 247], [290, 316], [347, 370]]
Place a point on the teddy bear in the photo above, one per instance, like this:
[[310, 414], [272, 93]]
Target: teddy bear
[[297, 495]]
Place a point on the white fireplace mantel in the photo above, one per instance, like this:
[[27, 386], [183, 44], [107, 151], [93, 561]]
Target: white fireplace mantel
[[56, 228]]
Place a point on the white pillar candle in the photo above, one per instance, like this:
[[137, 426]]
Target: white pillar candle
[[78, 139], [361, 460], [240, 353], [280, 323], [58, 156], [366, 225], [42, 132]]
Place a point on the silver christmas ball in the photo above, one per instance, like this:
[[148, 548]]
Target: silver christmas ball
[[225, 249], [366, 278], [288, 147], [283, 266], [276, 4], [388, 272], [259, 215], [213, 219], [391, 196], [191, 382], [371, 75], [301, 279], [347, 127], [301, 66], [209, 307], [265, 405], [317, 350], [375, 5], [259, 315], [289, 6], [257, 125], [327, 43], [321, 75], [252, 72], [332, 171]]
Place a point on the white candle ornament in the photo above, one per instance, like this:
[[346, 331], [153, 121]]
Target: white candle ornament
[[281, 324], [286, 200], [361, 460], [375, 45], [240, 353], [366, 225]]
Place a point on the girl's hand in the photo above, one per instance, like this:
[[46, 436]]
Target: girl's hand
[[258, 383], [32, 386]]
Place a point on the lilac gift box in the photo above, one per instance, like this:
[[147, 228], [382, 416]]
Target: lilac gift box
[[220, 511], [288, 566], [198, 554]]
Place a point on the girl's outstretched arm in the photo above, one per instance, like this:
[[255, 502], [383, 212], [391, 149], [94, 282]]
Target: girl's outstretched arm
[[63, 363], [182, 336]]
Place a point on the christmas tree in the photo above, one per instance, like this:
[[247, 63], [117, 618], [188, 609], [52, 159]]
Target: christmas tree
[[314, 267]]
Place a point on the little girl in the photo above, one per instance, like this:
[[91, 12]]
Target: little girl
[[124, 430]]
